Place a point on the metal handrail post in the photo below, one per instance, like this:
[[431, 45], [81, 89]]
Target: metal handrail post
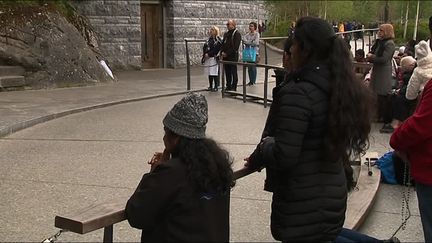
[[369, 42], [265, 86], [188, 77], [244, 83], [222, 72], [108, 234], [265, 53]]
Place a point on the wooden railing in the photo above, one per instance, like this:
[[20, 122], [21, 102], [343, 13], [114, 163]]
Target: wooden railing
[[106, 215]]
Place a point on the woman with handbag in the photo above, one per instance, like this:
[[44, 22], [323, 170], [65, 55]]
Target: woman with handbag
[[210, 58], [251, 44]]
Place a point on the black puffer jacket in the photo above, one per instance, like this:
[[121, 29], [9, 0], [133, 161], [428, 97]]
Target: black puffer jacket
[[309, 193]]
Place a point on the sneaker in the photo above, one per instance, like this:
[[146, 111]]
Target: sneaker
[[209, 89], [215, 90]]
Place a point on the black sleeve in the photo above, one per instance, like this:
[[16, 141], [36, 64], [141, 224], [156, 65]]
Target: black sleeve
[[282, 151], [151, 197]]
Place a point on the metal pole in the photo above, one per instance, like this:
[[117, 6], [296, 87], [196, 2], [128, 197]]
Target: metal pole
[[188, 81], [108, 234], [223, 79], [265, 52], [265, 86], [244, 83]]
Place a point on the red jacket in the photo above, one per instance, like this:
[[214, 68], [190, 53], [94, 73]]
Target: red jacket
[[414, 137]]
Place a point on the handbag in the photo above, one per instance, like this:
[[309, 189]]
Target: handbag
[[249, 54]]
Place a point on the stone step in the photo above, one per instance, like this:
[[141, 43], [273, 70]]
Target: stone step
[[11, 71], [11, 81]]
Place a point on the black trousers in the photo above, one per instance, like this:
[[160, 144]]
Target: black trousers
[[231, 76], [384, 108]]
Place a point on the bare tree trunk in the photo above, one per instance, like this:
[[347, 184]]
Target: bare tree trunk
[[416, 23], [325, 9], [386, 12], [406, 20]]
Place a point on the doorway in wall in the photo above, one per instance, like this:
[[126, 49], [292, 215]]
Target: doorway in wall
[[151, 35]]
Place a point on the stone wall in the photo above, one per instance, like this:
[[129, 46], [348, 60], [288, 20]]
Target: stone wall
[[117, 24], [118, 28], [192, 19]]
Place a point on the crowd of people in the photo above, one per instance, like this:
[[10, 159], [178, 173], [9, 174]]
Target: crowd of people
[[319, 119]]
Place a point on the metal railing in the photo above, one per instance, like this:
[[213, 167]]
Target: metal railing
[[370, 34]]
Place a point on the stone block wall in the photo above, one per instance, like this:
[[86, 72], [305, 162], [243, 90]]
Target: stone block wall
[[192, 19], [118, 26]]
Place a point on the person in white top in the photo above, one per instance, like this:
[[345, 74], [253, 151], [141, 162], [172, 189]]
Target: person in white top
[[251, 39], [422, 73]]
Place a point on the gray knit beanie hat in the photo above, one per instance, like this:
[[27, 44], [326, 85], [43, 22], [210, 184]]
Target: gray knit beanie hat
[[188, 117]]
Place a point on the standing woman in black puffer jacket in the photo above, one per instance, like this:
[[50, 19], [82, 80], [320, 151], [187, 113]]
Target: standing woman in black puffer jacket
[[320, 117]]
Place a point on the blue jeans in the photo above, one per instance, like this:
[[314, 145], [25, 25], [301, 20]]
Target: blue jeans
[[348, 236], [424, 196], [252, 71]]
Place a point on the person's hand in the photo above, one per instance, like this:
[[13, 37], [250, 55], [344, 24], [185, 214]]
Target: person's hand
[[370, 57], [206, 56], [224, 54], [247, 161], [367, 82], [158, 158]]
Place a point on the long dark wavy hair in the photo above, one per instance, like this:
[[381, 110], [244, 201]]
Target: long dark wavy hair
[[350, 116], [209, 165]]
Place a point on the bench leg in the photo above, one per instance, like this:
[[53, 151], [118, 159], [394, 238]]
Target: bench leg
[[108, 234]]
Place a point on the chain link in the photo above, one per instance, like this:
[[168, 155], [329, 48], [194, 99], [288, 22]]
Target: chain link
[[406, 193], [54, 238]]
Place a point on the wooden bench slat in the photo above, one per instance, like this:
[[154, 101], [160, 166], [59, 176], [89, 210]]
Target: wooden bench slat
[[92, 218]]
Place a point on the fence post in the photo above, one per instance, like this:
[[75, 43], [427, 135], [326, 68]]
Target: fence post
[[265, 86], [108, 234], [188, 81], [244, 83]]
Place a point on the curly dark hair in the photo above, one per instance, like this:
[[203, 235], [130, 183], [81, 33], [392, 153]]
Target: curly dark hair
[[209, 165], [350, 111]]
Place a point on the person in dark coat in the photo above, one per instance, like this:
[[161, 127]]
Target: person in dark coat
[[312, 130], [229, 52], [185, 197], [382, 81]]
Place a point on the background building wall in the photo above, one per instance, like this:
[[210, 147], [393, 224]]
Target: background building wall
[[118, 27]]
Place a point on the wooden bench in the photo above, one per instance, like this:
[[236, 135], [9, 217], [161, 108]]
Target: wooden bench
[[106, 215], [361, 199]]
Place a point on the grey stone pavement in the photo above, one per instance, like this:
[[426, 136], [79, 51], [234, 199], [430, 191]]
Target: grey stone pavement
[[59, 164]]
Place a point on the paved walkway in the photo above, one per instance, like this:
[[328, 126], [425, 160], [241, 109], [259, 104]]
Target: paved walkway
[[21, 109]]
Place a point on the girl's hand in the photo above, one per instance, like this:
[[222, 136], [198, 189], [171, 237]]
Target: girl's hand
[[158, 158]]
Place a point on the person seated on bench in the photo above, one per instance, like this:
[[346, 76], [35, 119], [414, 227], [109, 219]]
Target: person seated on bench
[[185, 196]]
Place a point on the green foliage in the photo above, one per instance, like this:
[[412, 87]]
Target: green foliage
[[282, 13], [63, 6], [422, 31]]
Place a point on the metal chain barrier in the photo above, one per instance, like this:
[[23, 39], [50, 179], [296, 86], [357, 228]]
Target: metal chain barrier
[[406, 193], [54, 238]]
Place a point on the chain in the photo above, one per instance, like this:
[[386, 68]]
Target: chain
[[54, 238], [406, 193]]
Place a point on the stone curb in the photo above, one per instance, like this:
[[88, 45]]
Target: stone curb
[[29, 123]]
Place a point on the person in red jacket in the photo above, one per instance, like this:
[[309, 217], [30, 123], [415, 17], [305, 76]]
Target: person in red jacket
[[413, 139]]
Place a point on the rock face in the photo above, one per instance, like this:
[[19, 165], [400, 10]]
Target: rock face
[[50, 49]]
